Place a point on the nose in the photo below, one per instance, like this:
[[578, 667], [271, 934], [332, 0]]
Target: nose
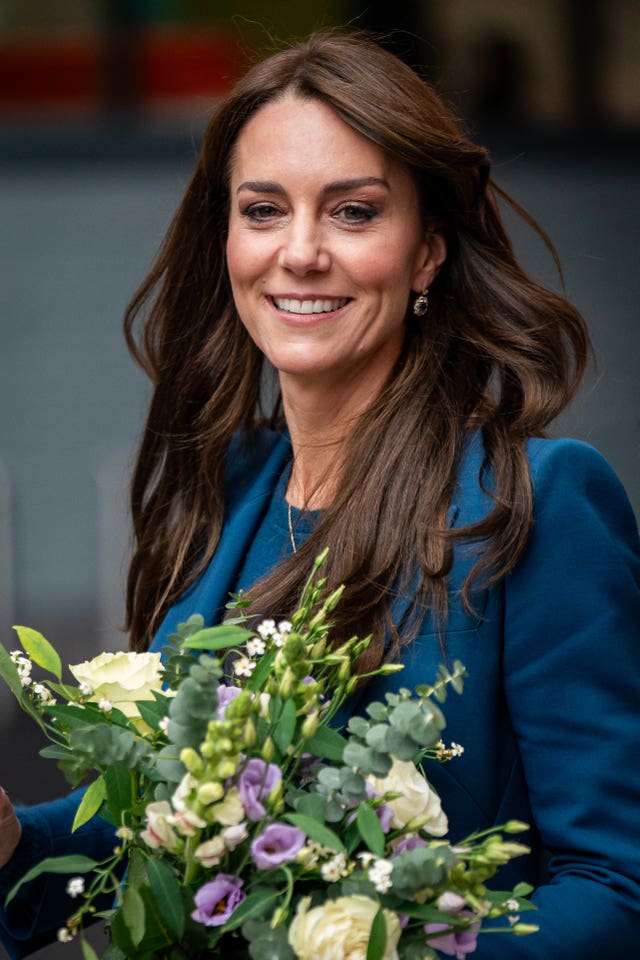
[[303, 250]]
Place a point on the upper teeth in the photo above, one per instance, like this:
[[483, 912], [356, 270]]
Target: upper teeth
[[289, 305]]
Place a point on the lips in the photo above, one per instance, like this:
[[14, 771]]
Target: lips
[[309, 306]]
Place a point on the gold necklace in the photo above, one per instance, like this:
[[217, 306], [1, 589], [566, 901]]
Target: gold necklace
[[291, 536]]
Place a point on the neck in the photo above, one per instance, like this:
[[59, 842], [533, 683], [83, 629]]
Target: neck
[[319, 421]]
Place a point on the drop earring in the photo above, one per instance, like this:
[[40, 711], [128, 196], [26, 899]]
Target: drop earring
[[421, 303]]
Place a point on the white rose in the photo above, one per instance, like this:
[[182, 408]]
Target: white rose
[[418, 804], [159, 832], [121, 678], [340, 929]]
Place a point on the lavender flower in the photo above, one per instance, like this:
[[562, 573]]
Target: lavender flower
[[456, 943], [278, 843], [411, 842], [256, 782], [217, 900]]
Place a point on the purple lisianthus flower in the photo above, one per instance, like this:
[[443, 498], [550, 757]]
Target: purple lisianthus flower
[[225, 695], [256, 782], [217, 900], [410, 842], [456, 943], [278, 843]]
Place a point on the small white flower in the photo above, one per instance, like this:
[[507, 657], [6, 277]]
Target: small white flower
[[20, 660], [279, 639], [125, 833], [75, 886], [186, 822], [25, 679], [105, 705], [182, 793], [380, 875], [334, 869], [64, 935], [457, 750], [513, 920], [164, 724], [266, 629], [366, 858], [285, 626], [512, 905], [43, 694], [256, 647], [243, 667], [85, 689]]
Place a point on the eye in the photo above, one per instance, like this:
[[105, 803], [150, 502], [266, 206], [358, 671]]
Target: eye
[[260, 212], [356, 213]]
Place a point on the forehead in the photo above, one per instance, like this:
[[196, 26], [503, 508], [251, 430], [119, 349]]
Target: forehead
[[305, 138]]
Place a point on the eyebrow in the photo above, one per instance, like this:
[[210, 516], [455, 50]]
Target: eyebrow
[[336, 186]]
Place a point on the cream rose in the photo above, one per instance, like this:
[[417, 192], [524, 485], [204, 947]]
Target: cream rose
[[418, 804], [121, 678], [340, 929]]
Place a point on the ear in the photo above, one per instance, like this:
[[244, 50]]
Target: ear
[[433, 253]]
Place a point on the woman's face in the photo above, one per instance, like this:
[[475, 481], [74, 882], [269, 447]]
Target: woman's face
[[325, 245]]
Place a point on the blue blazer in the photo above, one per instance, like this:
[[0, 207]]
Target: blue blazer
[[550, 715]]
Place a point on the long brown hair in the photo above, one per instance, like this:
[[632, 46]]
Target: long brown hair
[[497, 351]]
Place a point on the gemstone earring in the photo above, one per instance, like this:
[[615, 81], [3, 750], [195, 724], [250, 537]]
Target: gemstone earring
[[421, 303]]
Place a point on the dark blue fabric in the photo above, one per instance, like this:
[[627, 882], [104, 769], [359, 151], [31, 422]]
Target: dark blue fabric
[[550, 717]]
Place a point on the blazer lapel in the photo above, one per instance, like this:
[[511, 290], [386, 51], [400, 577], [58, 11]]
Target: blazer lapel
[[210, 592]]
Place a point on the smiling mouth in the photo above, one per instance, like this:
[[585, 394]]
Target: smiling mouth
[[290, 305]]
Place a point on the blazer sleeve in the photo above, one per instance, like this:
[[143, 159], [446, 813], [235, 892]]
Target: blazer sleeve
[[572, 682], [42, 906]]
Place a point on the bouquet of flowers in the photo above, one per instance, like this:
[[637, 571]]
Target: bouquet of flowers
[[245, 823]]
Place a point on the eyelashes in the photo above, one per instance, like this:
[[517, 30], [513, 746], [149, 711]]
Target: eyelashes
[[349, 213]]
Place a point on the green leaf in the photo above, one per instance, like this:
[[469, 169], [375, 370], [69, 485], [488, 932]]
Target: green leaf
[[219, 637], [118, 791], [378, 937], [262, 671], [152, 712], [73, 863], [87, 950], [90, 804], [133, 914], [167, 892], [316, 831], [40, 650], [9, 673], [370, 829], [113, 952], [286, 726], [255, 905], [327, 744], [311, 805]]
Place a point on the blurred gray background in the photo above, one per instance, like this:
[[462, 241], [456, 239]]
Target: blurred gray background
[[89, 179]]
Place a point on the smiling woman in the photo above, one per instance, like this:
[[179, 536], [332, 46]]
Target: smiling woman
[[321, 268], [342, 233]]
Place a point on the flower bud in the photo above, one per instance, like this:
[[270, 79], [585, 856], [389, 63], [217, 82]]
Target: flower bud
[[210, 792], [388, 668], [344, 671], [523, 929], [318, 649], [191, 760], [226, 768], [268, 750], [515, 826], [249, 734], [310, 725], [286, 685]]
